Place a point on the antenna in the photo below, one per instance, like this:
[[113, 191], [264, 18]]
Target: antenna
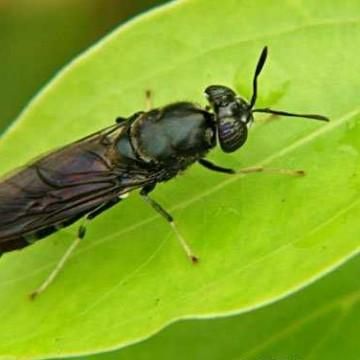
[[285, 113], [258, 69]]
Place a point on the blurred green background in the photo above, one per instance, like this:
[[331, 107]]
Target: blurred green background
[[39, 37]]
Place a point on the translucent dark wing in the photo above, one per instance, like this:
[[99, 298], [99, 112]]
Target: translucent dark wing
[[63, 186]]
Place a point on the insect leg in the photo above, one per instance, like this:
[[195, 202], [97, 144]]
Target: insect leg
[[148, 100], [255, 169], [60, 264], [81, 234], [158, 208]]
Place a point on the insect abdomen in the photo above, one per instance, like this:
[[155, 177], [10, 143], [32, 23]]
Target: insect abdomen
[[22, 241]]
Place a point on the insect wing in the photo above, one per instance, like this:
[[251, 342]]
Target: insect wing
[[59, 188]]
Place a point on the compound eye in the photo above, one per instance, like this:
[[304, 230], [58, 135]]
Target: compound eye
[[232, 134]]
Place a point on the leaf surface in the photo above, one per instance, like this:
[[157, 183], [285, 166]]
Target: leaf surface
[[259, 237], [319, 322]]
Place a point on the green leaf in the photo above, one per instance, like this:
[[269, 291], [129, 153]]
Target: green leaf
[[260, 237], [321, 322]]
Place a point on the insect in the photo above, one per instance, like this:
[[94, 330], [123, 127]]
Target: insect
[[89, 176]]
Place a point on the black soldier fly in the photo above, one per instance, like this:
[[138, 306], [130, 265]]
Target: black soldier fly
[[89, 176]]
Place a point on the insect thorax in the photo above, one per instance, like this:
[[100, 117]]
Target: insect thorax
[[177, 134]]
